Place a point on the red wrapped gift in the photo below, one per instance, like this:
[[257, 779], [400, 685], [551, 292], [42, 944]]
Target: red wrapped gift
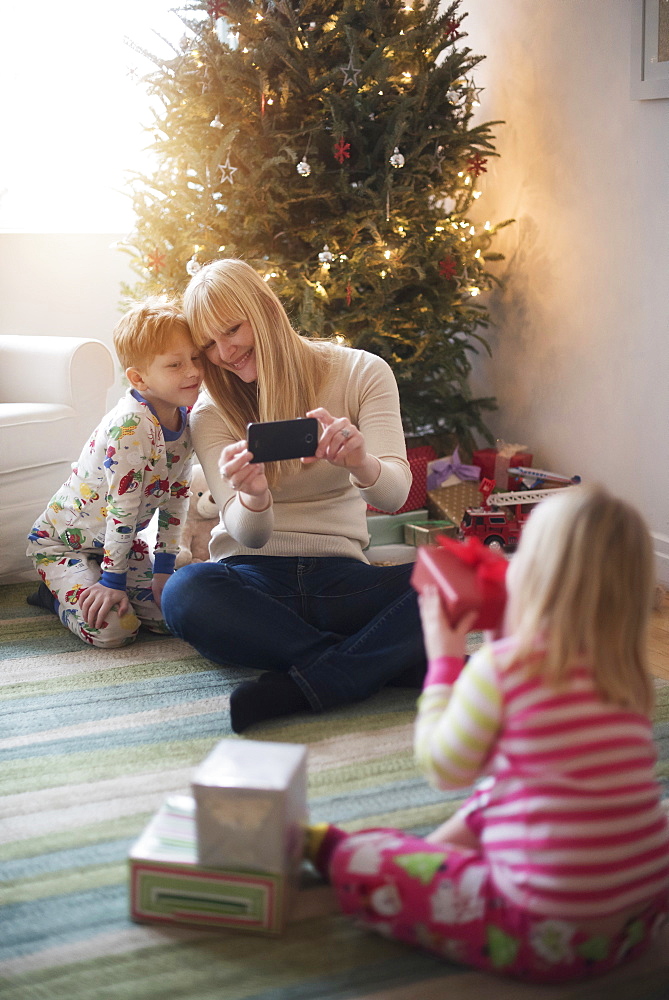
[[418, 461], [494, 462], [469, 577]]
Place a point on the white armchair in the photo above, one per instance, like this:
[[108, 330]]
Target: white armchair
[[53, 392]]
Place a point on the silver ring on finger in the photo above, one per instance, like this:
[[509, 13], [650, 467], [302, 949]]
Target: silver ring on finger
[[346, 433]]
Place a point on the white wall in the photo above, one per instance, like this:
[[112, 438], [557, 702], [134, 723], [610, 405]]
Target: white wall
[[580, 362], [580, 352]]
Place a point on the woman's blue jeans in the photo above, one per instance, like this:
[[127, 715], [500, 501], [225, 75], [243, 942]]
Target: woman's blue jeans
[[339, 627]]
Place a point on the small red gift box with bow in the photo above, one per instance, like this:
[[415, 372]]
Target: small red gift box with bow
[[468, 576]]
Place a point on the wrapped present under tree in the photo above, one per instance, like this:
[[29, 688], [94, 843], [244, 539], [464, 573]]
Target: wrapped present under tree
[[451, 502], [494, 462], [418, 461], [388, 529], [427, 532], [450, 470]]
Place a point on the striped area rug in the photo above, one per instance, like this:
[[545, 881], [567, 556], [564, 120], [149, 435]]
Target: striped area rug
[[91, 743]]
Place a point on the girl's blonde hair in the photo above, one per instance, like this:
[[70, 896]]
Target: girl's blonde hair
[[290, 367], [583, 577]]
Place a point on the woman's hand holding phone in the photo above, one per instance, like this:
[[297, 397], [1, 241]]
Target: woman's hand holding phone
[[247, 478], [343, 445]]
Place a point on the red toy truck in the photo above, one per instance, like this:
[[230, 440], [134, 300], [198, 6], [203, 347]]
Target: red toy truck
[[498, 528], [498, 522]]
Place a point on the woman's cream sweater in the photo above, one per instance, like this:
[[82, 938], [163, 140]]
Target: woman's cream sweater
[[320, 511]]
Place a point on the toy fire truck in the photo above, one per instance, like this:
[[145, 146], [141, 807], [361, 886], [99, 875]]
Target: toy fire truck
[[499, 520]]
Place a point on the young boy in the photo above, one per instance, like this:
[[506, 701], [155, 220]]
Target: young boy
[[98, 575]]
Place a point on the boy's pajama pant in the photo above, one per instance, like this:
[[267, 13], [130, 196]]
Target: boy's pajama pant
[[67, 572], [444, 900]]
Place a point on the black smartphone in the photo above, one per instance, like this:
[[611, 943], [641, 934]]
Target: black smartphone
[[277, 440]]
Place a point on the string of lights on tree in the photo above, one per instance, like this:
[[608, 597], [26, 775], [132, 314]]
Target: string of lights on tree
[[333, 147]]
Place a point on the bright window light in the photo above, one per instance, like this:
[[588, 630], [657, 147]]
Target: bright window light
[[73, 121]]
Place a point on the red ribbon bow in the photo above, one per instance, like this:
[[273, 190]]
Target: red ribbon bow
[[489, 567]]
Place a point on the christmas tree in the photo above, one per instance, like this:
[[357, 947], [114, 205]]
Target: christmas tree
[[332, 147]]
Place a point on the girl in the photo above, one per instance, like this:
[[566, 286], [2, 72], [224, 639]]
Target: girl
[[557, 866], [290, 590]]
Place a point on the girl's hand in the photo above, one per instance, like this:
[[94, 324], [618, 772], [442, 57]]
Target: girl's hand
[[97, 601], [343, 445], [439, 636], [248, 479]]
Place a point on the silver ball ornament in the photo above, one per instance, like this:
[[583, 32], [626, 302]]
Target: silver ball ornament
[[397, 160]]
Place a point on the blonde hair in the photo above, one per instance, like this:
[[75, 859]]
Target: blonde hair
[[290, 367], [146, 331], [583, 577]]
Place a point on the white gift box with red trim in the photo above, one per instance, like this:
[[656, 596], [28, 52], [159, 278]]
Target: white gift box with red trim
[[169, 886]]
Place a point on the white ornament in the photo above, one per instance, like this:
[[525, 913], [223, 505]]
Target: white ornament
[[217, 123], [397, 160], [303, 168], [325, 256], [227, 171], [350, 72], [193, 266]]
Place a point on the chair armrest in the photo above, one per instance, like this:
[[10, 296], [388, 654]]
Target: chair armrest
[[67, 370]]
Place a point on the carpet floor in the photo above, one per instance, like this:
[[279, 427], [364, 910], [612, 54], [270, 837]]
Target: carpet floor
[[92, 742]]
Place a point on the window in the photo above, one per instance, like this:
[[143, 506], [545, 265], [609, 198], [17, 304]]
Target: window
[[72, 118]]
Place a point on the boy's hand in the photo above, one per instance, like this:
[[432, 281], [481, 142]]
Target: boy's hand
[[440, 638], [97, 601], [157, 585]]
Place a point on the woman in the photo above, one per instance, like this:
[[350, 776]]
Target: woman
[[290, 590]]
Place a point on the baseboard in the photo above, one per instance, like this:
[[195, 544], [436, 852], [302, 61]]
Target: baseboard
[[661, 547]]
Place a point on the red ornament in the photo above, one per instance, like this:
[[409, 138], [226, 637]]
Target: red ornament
[[447, 267], [451, 28], [341, 151], [217, 8], [348, 293], [476, 164], [156, 261]]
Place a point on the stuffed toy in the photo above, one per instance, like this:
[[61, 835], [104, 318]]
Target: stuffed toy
[[202, 517]]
